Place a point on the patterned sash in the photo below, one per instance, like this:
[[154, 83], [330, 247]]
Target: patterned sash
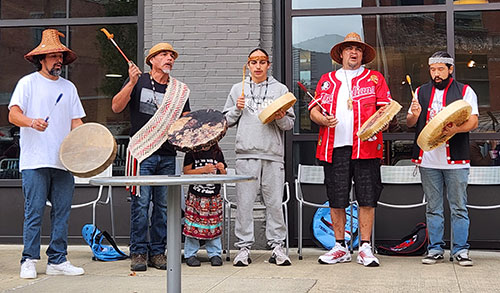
[[154, 133]]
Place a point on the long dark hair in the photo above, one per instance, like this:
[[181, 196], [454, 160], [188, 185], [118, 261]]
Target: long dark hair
[[36, 61]]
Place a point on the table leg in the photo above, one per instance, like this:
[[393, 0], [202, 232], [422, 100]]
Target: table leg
[[174, 238]]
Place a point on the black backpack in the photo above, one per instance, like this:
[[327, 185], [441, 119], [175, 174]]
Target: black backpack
[[412, 244]]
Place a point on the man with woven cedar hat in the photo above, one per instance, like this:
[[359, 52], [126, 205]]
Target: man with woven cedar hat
[[44, 176], [350, 96], [448, 164], [156, 100]]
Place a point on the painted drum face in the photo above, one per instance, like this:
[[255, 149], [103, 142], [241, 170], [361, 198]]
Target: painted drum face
[[197, 130], [378, 120]]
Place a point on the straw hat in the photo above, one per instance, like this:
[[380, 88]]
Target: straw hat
[[51, 44], [159, 48], [353, 38]]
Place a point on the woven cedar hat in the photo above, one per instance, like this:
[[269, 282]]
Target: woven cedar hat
[[160, 47], [51, 44], [353, 38]]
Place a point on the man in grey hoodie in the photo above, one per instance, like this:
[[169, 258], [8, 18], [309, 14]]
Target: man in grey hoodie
[[259, 152]]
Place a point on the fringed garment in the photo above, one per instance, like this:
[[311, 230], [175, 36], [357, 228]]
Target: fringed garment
[[154, 133]]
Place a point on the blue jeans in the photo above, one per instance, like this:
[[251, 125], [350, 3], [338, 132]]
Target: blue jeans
[[455, 180], [192, 245], [40, 185], [145, 238]]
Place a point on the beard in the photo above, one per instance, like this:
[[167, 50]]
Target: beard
[[55, 71], [166, 71], [441, 85]]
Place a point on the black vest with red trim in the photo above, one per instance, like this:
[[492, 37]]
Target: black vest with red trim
[[457, 148]]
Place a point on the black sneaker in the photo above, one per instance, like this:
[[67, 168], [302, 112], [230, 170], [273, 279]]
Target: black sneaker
[[193, 261], [431, 259], [463, 259], [216, 261]]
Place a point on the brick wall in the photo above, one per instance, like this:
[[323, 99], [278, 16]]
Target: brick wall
[[213, 38]]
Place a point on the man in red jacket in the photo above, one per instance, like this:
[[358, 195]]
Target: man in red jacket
[[348, 97]]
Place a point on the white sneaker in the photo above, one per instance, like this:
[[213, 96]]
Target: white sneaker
[[279, 257], [464, 259], [28, 269], [65, 268], [242, 259], [366, 257], [337, 254]]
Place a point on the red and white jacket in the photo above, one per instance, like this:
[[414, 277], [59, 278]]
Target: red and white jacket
[[369, 91]]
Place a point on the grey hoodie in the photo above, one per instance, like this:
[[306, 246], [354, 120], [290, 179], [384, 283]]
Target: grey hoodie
[[255, 140]]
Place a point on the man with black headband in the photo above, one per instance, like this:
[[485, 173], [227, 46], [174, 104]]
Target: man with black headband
[[259, 152], [447, 165]]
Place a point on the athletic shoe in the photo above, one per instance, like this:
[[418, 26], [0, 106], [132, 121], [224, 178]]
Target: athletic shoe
[[65, 268], [432, 258], [337, 254], [193, 261], [216, 261], [464, 259], [366, 257], [28, 269], [242, 259], [279, 257]]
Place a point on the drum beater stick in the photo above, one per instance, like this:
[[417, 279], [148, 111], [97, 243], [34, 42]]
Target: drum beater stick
[[110, 37], [312, 98], [408, 79], [57, 101], [243, 82]]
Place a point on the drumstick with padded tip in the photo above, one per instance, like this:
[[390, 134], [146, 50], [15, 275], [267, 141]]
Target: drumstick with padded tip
[[408, 79], [57, 101], [312, 98], [110, 37]]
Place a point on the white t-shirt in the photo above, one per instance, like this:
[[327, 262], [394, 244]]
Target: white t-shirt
[[437, 158], [345, 127], [36, 96]]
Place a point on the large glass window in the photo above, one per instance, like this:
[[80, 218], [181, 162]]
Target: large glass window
[[315, 4], [477, 51], [29, 9], [98, 73], [401, 49], [93, 8]]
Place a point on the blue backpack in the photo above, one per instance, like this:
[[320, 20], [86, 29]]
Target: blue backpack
[[322, 227], [101, 252]]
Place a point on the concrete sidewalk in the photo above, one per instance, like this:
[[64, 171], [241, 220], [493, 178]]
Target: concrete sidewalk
[[396, 274]]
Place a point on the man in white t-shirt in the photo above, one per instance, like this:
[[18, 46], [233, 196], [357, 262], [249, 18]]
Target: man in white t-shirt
[[447, 165], [46, 107]]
